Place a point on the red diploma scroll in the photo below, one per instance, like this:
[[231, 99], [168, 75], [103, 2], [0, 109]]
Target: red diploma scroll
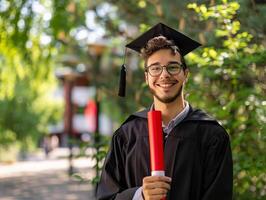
[[156, 143]]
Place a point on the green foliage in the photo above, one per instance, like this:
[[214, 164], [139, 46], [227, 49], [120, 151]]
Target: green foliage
[[228, 79], [25, 77], [99, 147]]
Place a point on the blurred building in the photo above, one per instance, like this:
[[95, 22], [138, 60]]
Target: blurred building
[[83, 108]]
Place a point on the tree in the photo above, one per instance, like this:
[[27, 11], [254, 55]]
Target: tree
[[26, 74], [228, 78]]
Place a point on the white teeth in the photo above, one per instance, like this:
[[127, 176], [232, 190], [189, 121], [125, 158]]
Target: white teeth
[[166, 85]]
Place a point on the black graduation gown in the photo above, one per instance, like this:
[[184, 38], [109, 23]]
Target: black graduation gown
[[197, 156]]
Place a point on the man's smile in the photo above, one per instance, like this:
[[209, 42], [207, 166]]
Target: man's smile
[[166, 85]]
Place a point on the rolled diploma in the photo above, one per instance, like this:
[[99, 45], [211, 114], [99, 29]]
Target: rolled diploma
[[156, 143]]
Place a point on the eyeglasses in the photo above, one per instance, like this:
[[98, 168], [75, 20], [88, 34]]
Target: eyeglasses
[[156, 69]]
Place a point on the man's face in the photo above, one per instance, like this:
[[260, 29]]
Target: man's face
[[166, 87]]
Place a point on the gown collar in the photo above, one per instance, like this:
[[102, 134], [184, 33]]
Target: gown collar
[[193, 114]]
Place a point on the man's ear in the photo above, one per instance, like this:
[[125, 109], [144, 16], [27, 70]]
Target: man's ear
[[186, 72], [146, 77]]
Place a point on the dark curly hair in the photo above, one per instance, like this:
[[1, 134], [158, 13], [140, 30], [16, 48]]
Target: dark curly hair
[[158, 43]]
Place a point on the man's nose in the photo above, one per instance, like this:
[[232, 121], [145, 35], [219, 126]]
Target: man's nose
[[165, 73]]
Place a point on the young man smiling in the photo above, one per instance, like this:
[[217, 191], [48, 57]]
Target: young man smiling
[[198, 163], [165, 76]]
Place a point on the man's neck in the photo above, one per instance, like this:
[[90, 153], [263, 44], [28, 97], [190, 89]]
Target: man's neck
[[169, 110]]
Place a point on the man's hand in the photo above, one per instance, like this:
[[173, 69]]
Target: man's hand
[[155, 187]]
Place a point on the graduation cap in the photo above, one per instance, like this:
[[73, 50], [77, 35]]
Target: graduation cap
[[183, 42]]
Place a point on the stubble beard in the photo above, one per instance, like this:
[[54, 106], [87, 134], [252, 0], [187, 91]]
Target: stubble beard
[[169, 99]]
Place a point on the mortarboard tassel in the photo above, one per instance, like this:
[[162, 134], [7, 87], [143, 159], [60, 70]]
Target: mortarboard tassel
[[122, 81]]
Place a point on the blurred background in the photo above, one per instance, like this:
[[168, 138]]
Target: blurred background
[[59, 69]]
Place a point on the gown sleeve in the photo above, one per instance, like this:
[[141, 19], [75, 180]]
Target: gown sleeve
[[218, 167], [112, 184]]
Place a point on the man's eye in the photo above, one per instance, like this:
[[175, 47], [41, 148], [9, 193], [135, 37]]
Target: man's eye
[[155, 68], [173, 68]]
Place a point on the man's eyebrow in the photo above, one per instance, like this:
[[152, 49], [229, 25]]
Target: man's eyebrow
[[174, 62], [156, 63]]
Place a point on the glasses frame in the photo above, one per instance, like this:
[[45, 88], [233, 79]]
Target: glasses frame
[[166, 67]]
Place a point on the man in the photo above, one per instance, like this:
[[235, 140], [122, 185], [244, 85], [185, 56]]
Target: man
[[198, 162]]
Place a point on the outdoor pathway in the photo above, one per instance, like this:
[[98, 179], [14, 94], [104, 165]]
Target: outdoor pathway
[[45, 179]]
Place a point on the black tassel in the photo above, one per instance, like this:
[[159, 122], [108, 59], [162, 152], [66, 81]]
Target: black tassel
[[122, 82]]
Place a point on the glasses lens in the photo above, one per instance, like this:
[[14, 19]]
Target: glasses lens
[[173, 68], [155, 70]]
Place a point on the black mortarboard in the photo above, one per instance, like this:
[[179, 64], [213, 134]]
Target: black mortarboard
[[183, 42]]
